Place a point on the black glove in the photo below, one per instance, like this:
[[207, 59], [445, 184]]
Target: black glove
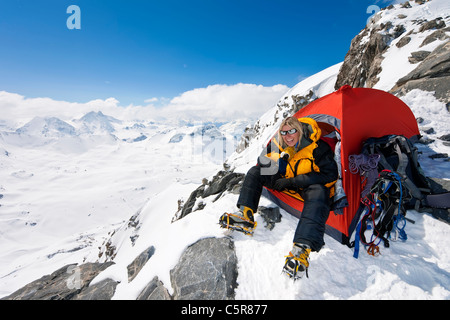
[[282, 184]]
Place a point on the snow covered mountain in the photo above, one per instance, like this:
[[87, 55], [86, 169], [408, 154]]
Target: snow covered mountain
[[97, 122], [47, 127], [102, 189]]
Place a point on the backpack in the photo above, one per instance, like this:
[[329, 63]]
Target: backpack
[[394, 182], [398, 154]]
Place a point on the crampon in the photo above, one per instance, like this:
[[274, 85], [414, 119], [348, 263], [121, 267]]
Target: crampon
[[235, 222], [291, 270], [297, 265]]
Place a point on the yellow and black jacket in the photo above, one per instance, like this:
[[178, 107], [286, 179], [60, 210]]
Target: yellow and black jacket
[[310, 162]]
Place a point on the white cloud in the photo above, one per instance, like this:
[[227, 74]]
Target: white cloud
[[213, 103], [151, 100], [17, 110], [224, 102]]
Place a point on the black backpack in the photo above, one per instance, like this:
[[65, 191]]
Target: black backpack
[[395, 182], [398, 154]]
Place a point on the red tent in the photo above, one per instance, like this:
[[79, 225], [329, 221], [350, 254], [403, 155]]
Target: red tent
[[356, 114]]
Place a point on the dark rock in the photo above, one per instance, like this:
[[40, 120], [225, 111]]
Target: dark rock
[[432, 74], [437, 35], [155, 290], [438, 156], [445, 137], [403, 41], [103, 290], [398, 31], [406, 5], [222, 181], [65, 284], [428, 130], [300, 102], [207, 270], [138, 263], [189, 205], [362, 64], [437, 23], [425, 141], [246, 138], [270, 216], [418, 56]]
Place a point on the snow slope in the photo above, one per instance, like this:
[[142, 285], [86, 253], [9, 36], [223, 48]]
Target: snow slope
[[64, 195], [397, 58]]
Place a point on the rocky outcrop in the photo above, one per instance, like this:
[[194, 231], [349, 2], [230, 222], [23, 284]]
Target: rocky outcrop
[[432, 74], [70, 282], [249, 133], [418, 56], [154, 290], [362, 63], [207, 270], [223, 181], [135, 267]]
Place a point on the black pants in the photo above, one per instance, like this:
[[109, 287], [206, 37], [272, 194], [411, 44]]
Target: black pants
[[311, 226]]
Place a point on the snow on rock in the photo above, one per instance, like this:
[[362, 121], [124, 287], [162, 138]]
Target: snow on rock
[[419, 21], [47, 127], [399, 38], [96, 123]]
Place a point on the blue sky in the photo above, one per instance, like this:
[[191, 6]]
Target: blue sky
[[136, 50]]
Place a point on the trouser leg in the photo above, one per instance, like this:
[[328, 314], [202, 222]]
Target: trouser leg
[[252, 188], [311, 226]]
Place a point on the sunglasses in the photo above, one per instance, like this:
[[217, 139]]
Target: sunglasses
[[292, 131]]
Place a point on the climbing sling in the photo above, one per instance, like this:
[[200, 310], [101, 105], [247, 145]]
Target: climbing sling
[[400, 185], [384, 213], [398, 154]]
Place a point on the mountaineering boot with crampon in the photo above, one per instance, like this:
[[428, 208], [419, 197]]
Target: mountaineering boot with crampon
[[242, 221], [297, 262]]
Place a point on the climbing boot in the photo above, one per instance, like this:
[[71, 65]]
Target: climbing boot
[[297, 262], [242, 221]]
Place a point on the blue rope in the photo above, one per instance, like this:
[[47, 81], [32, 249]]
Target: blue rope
[[399, 218], [401, 230]]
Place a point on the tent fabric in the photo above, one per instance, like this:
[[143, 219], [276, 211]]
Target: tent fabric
[[356, 114]]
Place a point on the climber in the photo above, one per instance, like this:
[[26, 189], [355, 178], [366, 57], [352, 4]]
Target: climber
[[301, 165]]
